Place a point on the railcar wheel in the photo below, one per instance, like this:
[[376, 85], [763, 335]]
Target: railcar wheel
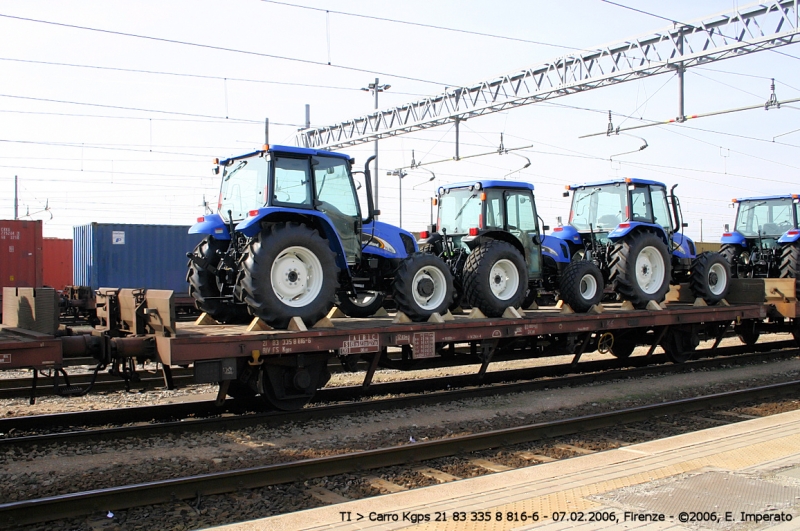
[[206, 288], [288, 388], [365, 304], [747, 332], [495, 277], [623, 347], [640, 268], [679, 345], [710, 277], [796, 330], [582, 285], [790, 263], [423, 285], [288, 270]]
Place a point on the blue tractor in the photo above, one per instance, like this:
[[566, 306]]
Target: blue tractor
[[289, 240], [488, 232], [765, 242], [631, 228]]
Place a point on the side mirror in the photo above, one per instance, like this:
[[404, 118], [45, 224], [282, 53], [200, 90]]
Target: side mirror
[[560, 224], [684, 225], [546, 227], [376, 212], [727, 228], [565, 194], [537, 240]]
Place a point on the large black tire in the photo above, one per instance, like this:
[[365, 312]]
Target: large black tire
[[640, 268], [495, 277], [710, 277], [581, 285], [790, 263], [288, 270], [423, 285], [731, 253], [364, 305], [204, 286]]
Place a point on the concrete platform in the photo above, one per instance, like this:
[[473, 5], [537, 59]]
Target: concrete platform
[[740, 476]]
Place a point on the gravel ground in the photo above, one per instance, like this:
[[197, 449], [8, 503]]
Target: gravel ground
[[41, 471]]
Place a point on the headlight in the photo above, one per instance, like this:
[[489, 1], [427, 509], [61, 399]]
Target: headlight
[[380, 243]]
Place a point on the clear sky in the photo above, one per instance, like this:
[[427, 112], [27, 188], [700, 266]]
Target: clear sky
[[101, 126]]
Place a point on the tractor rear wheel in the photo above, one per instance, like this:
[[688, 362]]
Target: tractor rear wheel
[[495, 277], [710, 277], [737, 257], [288, 270], [790, 263], [640, 268], [423, 285], [206, 288], [582, 285], [365, 304]]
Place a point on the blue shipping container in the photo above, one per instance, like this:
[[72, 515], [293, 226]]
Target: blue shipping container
[[116, 255]]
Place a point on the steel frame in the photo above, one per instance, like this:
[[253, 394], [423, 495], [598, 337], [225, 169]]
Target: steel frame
[[730, 34]]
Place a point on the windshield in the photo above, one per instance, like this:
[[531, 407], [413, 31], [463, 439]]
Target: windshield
[[243, 187], [604, 207], [767, 217], [459, 210]]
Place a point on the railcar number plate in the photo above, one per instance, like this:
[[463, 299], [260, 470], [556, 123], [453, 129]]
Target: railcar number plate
[[424, 345]]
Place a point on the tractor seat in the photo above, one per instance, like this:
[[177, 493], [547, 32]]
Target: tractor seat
[[608, 221], [771, 229]]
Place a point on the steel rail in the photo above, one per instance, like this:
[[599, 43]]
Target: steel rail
[[323, 412], [123, 497]]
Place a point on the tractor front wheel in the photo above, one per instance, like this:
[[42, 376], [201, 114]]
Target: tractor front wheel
[[582, 285], [495, 277], [365, 304], [790, 263], [288, 270], [710, 277], [205, 286], [423, 285], [640, 268]]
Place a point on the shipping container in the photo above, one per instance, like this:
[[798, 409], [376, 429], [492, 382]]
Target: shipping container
[[57, 262], [20, 253], [115, 255]]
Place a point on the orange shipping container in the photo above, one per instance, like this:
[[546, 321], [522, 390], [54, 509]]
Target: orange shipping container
[[57, 255], [20, 253]]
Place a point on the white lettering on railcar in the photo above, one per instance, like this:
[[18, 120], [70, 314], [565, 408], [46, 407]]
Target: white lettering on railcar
[[360, 344]]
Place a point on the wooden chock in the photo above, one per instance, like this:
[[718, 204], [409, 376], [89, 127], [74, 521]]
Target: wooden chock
[[596, 308], [559, 304], [533, 306], [724, 302], [335, 313], [206, 319], [653, 305], [512, 313], [436, 317], [699, 302], [566, 308], [297, 325], [401, 318], [448, 316], [627, 306], [258, 325], [381, 312], [476, 313], [458, 310], [323, 323]]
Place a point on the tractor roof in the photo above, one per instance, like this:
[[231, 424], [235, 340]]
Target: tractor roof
[[490, 184], [618, 181], [288, 149], [766, 198]]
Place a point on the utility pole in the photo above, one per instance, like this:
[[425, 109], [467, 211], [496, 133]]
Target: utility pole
[[376, 88], [16, 198], [400, 174]]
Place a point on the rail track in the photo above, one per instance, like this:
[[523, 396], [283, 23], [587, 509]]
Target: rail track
[[149, 421], [156, 492]]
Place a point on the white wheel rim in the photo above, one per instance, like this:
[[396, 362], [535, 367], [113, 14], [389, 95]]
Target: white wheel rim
[[296, 276], [650, 270], [420, 288], [364, 298], [588, 287], [504, 279], [717, 280]]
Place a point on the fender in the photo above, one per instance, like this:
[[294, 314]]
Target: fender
[[386, 240], [251, 226], [567, 233], [623, 229], [682, 246], [212, 225], [556, 248], [790, 236], [734, 238]]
